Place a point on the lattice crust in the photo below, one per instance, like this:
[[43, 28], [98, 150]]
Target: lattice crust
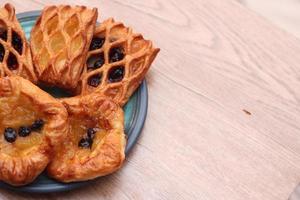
[[15, 54], [117, 61], [107, 151], [59, 42], [26, 156]]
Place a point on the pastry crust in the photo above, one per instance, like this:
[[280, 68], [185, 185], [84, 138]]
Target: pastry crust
[[138, 56], [106, 155], [15, 54], [59, 42], [21, 103]]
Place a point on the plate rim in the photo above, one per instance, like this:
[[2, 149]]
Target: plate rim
[[135, 131]]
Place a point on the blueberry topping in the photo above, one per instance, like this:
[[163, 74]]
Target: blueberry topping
[[3, 34], [116, 74], [12, 62], [116, 54], [99, 63], [96, 63], [95, 80], [17, 42], [85, 142], [2, 52], [91, 132], [10, 135], [24, 131], [37, 125], [97, 43]]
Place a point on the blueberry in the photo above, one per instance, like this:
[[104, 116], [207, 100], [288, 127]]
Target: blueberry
[[116, 54], [95, 80], [17, 42], [2, 52], [3, 34], [116, 74], [97, 43], [95, 62], [99, 63], [12, 62], [37, 125], [91, 132], [24, 131], [10, 135], [85, 142]]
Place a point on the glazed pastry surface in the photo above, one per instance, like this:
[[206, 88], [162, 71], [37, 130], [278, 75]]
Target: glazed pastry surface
[[32, 125], [83, 155], [15, 54], [117, 61], [59, 43]]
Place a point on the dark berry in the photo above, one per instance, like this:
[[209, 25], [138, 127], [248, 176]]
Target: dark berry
[[97, 43], [116, 74], [2, 52], [95, 62], [95, 80], [10, 135], [3, 34], [37, 125], [99, 63], [24, 131], [116, 54], [85, 142], [12, 62], [17, 42], [91, 132]]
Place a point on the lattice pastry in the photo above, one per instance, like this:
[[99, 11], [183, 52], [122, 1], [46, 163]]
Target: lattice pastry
[[59, 42], [96, 140], [15, 55], [32, 126], [117, 61]]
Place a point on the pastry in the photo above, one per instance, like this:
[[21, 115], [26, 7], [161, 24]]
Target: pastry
[[96, 140], [15, 55], [117, 62], [78, 138], [32, 126], [59, 42]]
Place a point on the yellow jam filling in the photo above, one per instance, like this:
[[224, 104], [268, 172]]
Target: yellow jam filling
[[15, 113], [79, 128]]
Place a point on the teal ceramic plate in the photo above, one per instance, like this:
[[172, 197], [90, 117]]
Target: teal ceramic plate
[[135, 114]]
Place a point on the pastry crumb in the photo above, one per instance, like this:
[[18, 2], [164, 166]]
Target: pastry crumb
[[247, 112]]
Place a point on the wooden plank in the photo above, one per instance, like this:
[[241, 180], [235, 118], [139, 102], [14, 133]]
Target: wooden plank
[[217, 59], [284, 14]]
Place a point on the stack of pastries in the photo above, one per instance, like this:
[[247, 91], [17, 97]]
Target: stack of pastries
[[76, 138]]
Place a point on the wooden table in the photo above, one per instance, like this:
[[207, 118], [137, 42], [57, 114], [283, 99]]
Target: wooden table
[[224, 105]]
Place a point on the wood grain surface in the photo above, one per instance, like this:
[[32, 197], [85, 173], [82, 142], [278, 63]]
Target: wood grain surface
[[282, 13], [224, 96]]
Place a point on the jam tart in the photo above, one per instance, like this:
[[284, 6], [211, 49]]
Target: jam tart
[[59, 42], [15, 54], [96, 141], [32, 126], [117, 62]]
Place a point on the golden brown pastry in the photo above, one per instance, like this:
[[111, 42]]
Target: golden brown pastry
[[32, 125], [15, 55], [96, 140], [117, 62], [59, 42]]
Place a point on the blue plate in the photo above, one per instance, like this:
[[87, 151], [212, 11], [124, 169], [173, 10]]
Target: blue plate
[[135, 115]]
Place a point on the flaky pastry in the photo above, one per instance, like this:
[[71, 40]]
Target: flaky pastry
[[59, 42], [117, 62], [32, 126], [96, 141], [15, 54]]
